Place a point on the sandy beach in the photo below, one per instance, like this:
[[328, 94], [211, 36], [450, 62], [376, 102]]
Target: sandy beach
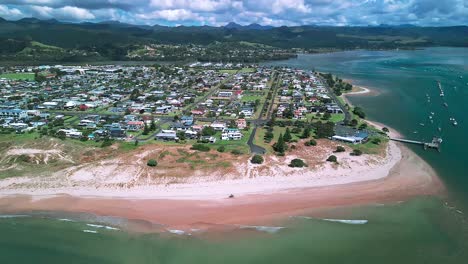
[[259, 200], [184, 198]]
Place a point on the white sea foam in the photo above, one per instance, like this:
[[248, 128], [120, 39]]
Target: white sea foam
[[102, 226], [90, 231], [176, 231], [267, 229], [96, 226], [343, 221], [14, 216], [350, 222], [66, 220]]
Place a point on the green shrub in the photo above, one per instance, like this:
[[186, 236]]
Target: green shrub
[[152, 163], [221, 149], [106, 143], [257, 159], [200, 147], [311, 142], [297, 163], [376, 141], [356, 152], [236, 152], [340, 149], [332, 158]]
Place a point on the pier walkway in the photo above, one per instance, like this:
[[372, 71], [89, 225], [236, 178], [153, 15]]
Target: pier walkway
[[435, 144]]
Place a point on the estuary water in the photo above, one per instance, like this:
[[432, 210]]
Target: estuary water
[[423, 230]]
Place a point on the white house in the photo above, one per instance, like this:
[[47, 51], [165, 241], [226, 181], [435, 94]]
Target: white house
[[231, 134]]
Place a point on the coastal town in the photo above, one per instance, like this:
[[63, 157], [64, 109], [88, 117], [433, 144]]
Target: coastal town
[[228, 107]]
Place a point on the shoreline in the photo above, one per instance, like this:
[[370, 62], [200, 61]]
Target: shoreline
[[409, 177], [261, 197]]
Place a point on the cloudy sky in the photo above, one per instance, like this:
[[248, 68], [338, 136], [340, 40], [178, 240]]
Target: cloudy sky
[[265, 12]]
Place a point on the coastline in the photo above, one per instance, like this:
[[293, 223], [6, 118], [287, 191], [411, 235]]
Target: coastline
[[262, 197], [410, 177]]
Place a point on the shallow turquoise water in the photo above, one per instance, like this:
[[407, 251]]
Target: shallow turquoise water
[[423, 230]]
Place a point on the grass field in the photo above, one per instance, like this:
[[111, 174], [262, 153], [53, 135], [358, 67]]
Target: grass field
[[18, 76], [247, 70], [228, 71]]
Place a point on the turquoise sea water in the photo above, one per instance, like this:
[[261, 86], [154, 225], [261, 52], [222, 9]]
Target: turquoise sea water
[[423, 230]]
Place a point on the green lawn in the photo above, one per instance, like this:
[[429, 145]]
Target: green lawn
[[228, 71], [371, 148], [18, 76], [247, 70], [259, 137]]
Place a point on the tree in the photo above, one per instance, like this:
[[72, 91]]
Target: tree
[[297, 163], [136, 142], [324, 130], [152, 163], [181, 135], [340, 149], [208, 131], [287, 135], [376, 141], [353, 123], [363, 126], [257, 159], [326, 116], [61, 135], [152, 125], [384, 129], [332, 158], [306, 133], [280, 146], [146, 130], [359, 112]]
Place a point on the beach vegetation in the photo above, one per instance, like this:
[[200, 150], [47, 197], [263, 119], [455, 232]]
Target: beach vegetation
[[332, 158], [280, 146], [359, 112], [324, 130], [236, 152], [152, 163], [287, 135], [221, 149], [384, 129], [106, 142], [340, 149], [306, 133], [257, 159], [356, 152], [311, 142], [200, 147], [297, 163]]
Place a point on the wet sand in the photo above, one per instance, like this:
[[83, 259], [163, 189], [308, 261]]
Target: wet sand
[[410, 177]]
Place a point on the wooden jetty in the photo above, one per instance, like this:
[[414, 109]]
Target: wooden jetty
[[434, 144]]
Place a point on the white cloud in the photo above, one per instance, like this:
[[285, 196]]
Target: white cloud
[[66, 13], [271, 12], [10, 13]]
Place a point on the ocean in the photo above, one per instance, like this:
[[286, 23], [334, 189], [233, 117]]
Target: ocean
[[422, 230]]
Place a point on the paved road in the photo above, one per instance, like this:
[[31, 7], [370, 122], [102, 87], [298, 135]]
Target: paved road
[[348, 115], [255, 149]]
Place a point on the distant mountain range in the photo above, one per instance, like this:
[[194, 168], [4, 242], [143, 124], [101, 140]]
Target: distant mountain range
[[114, 33]]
